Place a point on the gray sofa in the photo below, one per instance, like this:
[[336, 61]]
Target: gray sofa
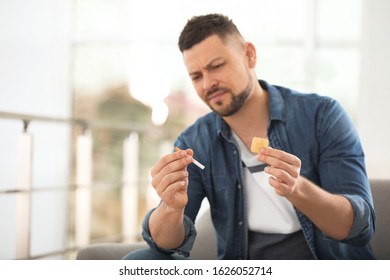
[[205, 248]]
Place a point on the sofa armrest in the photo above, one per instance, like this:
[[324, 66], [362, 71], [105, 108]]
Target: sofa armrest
[[108, 251]]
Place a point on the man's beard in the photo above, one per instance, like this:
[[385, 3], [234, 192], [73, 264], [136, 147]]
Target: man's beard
[[237, 101]]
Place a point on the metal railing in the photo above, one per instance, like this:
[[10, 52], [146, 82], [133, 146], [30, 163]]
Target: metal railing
[[83, 179]]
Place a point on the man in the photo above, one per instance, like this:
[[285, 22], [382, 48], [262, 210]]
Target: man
[[307, 197]]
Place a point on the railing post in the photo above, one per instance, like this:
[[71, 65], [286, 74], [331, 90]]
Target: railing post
[[23, 198], [83, 188], [130, 188]]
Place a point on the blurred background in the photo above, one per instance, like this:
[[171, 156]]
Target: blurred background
[[92, 92]]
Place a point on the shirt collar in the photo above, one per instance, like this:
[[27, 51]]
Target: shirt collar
[[277, 103]]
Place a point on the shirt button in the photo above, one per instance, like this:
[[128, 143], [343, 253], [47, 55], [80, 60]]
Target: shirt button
[[235, 152], [239, 186], [240, 223]]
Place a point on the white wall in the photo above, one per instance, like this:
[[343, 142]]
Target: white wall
[[34, 79], [374, 101]]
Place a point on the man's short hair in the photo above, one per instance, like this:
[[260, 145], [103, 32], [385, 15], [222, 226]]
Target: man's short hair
[[199, 28]]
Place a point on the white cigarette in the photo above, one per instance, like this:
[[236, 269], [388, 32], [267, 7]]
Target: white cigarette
[[197, 163], [194, 161]]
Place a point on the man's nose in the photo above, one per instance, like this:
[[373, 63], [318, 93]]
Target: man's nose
[[209, 82]]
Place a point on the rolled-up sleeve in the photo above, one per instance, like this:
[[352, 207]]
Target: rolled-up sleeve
[[363, 224], [184, 249]]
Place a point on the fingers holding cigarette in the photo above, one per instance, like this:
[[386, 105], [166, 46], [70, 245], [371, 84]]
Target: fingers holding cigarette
[[194, 161], [170, 178]]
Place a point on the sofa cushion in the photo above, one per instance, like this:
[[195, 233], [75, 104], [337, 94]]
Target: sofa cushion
[[381, 195]]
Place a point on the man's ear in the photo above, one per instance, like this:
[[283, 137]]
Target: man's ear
[[250, 53]]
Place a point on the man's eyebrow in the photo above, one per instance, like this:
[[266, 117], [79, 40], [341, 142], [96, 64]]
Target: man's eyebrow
[[213, 61], [208, 65]]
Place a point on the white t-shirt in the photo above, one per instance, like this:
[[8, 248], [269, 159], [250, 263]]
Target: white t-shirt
[[268, 212]]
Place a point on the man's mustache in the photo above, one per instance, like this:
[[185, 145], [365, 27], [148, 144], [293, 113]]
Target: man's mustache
[[212, 91]]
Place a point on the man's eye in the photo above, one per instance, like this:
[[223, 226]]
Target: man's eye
[[195, 78], [217, 66]]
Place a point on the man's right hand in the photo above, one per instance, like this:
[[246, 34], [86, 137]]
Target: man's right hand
[[170, 179]]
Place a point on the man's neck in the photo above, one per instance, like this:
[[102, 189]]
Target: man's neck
[[252, 119]]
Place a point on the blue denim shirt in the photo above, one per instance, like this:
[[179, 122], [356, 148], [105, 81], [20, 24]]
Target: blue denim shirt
[[314, 128]]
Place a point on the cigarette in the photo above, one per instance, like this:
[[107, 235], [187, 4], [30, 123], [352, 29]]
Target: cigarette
[[194, 161], [197, 163]]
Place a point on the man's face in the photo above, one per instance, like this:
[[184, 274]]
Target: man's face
[[220, 74]]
